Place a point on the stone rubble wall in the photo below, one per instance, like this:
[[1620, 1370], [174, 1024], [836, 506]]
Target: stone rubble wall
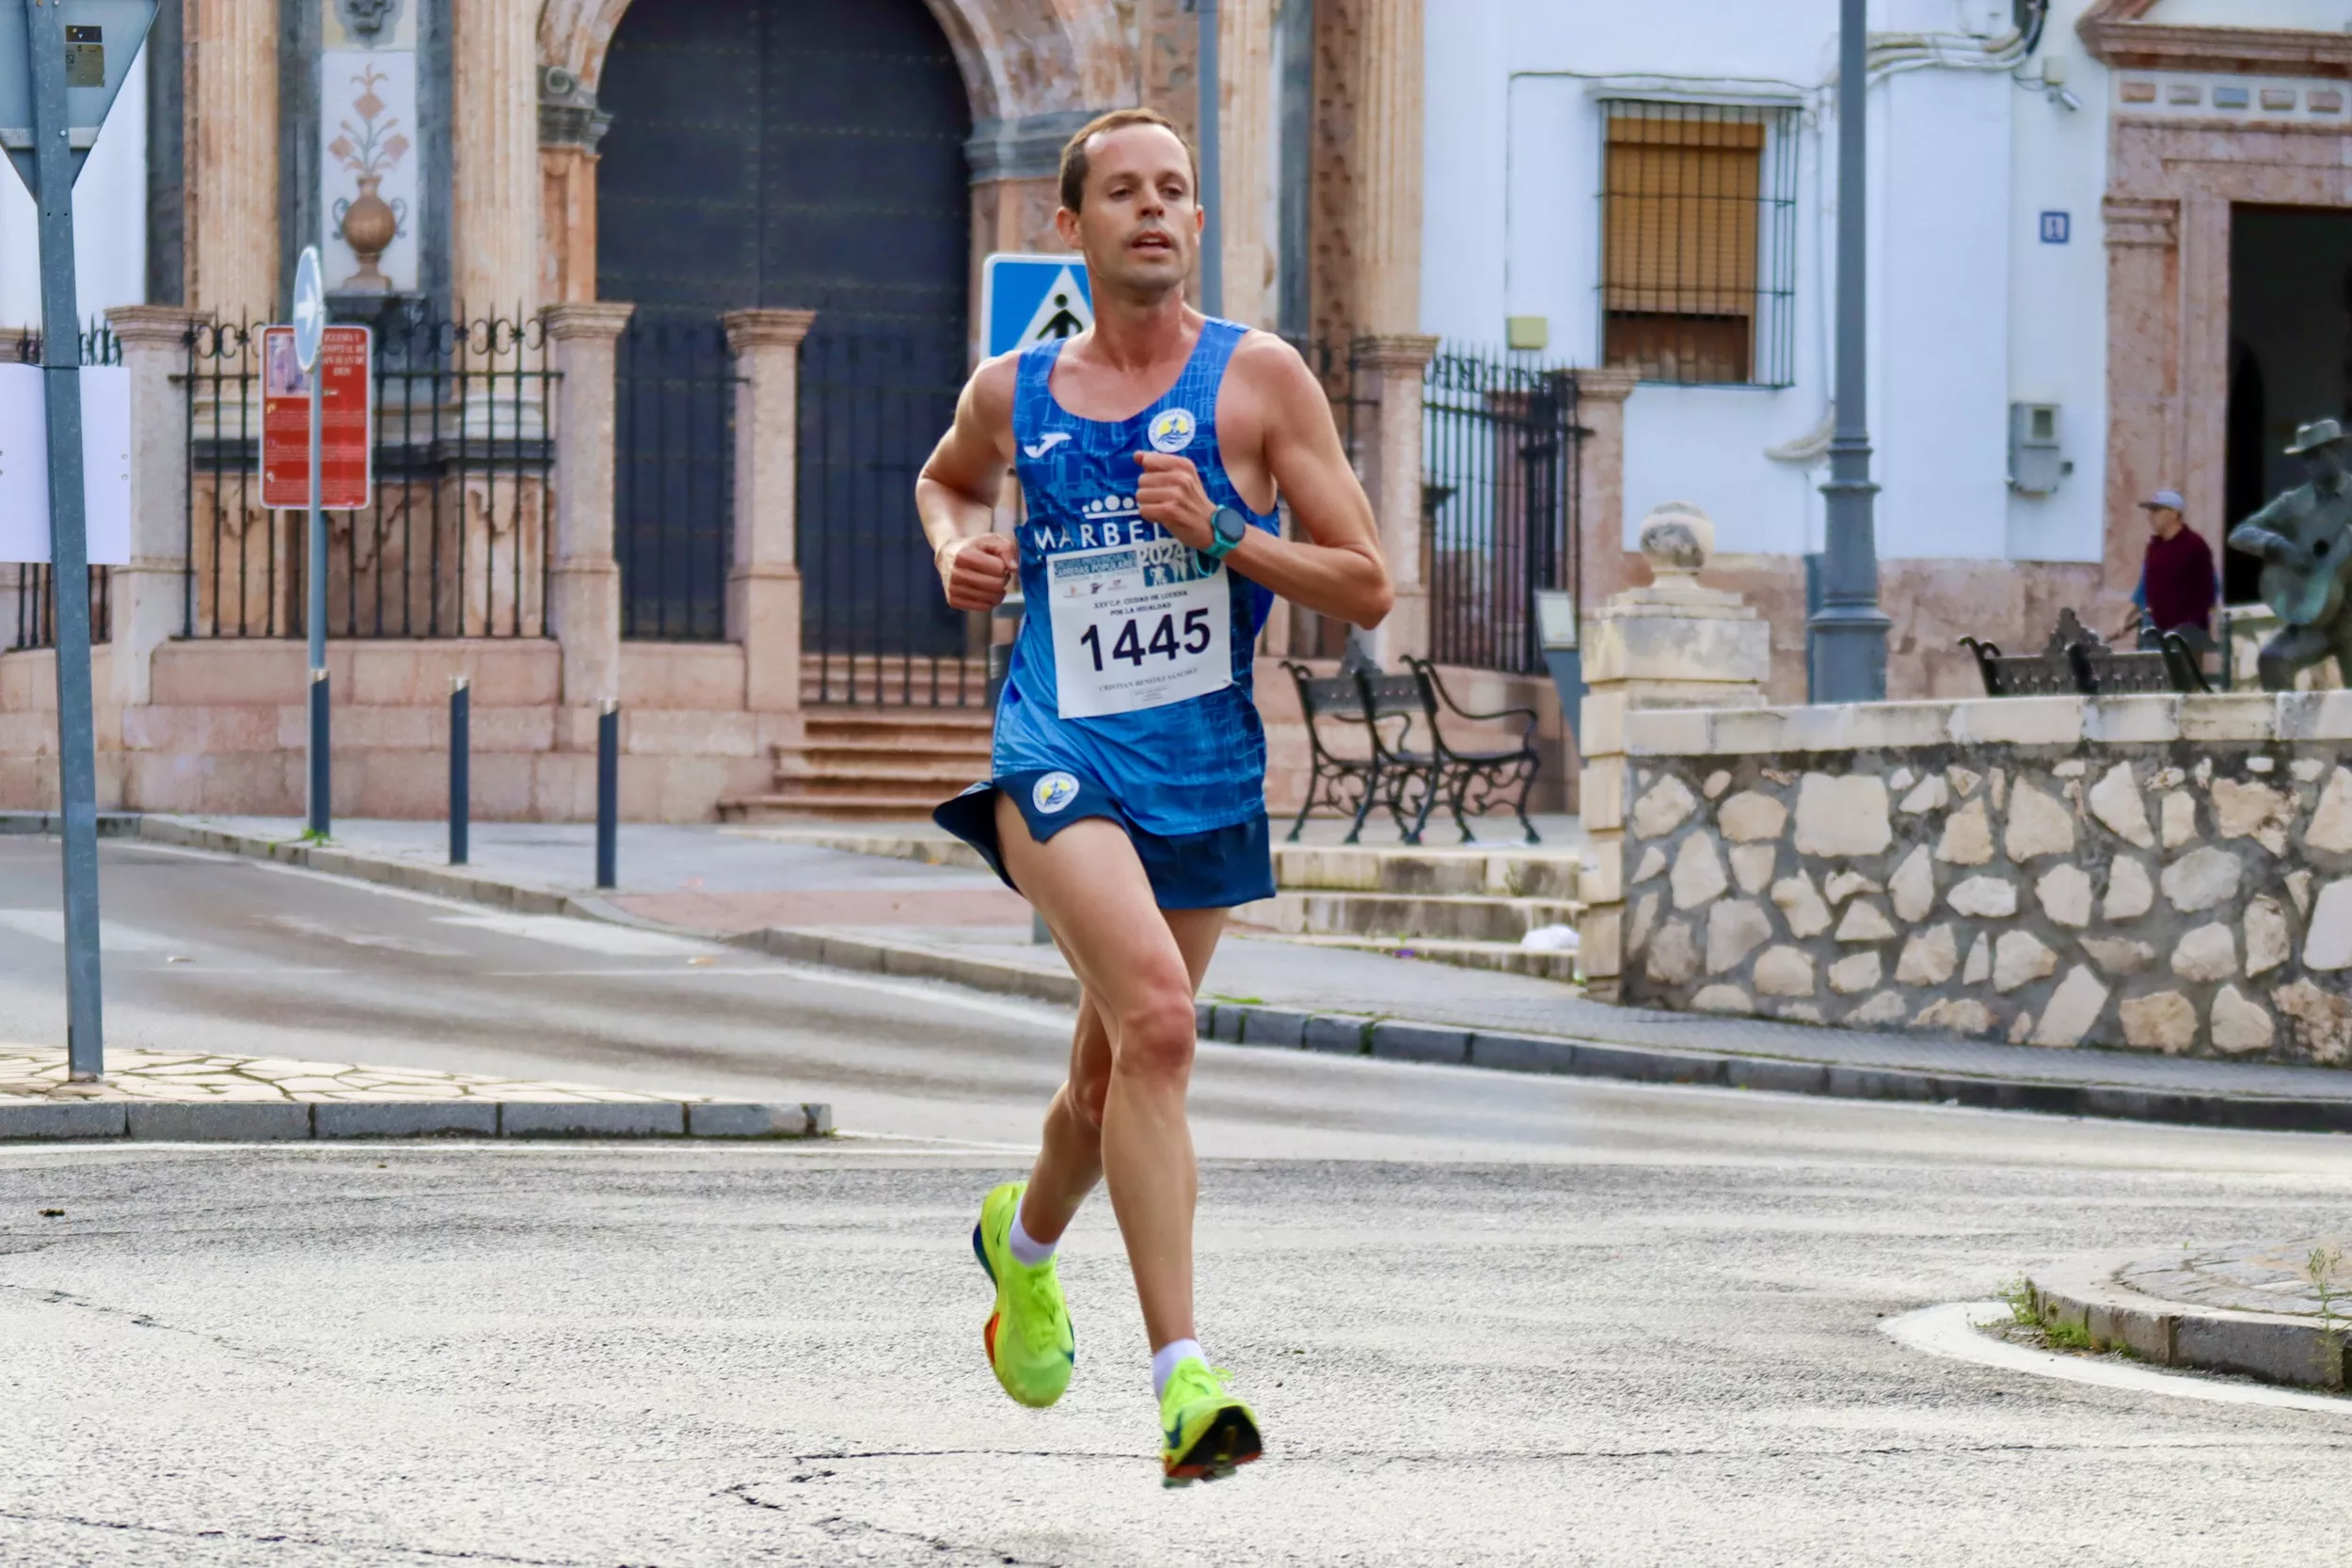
[[2156, 873]]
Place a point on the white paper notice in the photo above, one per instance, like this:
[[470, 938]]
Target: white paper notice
[[105, 463]]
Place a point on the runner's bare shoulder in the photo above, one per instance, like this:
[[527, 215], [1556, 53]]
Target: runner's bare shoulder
[[985, 410], [1266, 377]]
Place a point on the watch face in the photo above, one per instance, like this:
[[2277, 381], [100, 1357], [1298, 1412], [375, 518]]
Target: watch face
[[1231, 526]]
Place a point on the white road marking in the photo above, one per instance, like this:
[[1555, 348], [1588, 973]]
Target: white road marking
[[592, 936], [113, 936], [1951, 1331]]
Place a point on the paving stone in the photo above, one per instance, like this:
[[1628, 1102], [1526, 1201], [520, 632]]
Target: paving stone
[[2119, 955], [1285, 1027], [1929, 794], [2130, 893], [1967, 838], [1912, 886], [2180, 819], [1673, 959], [2020, 959], [2074, 1008], [1748, 816], [2038, 825], [2330, 827], [1864, 922], [1338, 1035], [2268, 943], [549, 1119], [2327, 943], [1929, 959], [1854, 974], [2207, 952], [1735, 928], [728, 1119], [52, 1119], [2065, 894], [1420, 1043], [1752, 865], [2164, 1022], [1785, 971], [1801, 905], [1843, 815], [2321, 1019], [1664, 807], [2239, 1024], [1699, 873], [1962, 1015], [2201, 879], [1985, 897]]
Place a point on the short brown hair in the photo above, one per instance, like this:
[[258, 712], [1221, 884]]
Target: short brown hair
[[1076, 161]]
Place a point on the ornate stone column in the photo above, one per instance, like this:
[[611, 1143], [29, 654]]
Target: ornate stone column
[[148, 594], [2144, 384], [1604, 566], [1391, 466], [1672, 644], [584, 590], [1246, 113], [495, 156], [570, 126], [764, 583], [1388, 145], [232, 157]]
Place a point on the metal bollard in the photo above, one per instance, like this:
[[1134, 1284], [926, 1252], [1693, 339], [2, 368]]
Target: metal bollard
[[460, 766], [1013, 609], [607, 795], [322, 754]]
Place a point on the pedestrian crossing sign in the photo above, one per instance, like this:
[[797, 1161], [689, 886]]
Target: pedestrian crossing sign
[[1033, 299]]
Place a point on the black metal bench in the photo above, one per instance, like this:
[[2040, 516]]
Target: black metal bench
[[2076, 663], [1408, 779]]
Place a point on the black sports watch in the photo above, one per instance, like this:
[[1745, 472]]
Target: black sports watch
[[1227, 529]]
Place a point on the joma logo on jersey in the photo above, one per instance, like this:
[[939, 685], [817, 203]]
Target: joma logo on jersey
[[1046, 443]]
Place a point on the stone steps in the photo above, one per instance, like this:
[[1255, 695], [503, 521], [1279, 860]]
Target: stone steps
[[1460, 917], [1507, 958], [1478, 870], [871, 764]]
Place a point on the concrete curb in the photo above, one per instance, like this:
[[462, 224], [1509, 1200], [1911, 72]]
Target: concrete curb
[[288, 1121], [1393, 1039], [2085, 1294]]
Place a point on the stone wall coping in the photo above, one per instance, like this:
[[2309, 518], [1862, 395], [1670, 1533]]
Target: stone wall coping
[[2254, 717]]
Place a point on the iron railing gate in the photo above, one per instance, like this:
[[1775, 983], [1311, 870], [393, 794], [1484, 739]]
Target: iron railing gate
[[33, 620], [674, 492], [456, 541], [1501, 450]]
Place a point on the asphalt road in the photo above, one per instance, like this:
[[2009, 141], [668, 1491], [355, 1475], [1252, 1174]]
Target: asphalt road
[[1484, 1318]]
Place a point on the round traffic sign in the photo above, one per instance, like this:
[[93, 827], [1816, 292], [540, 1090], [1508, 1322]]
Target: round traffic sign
[[309, 307]]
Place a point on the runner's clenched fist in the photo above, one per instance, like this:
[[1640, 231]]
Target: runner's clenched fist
[[1171, 495], [977, 571]]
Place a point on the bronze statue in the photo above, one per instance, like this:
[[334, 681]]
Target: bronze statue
[[2304, 539]]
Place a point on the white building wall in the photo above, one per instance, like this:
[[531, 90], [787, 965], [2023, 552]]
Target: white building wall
[[1970, 311], [109, 220]]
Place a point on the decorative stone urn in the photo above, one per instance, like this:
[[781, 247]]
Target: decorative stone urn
[[370, 224]]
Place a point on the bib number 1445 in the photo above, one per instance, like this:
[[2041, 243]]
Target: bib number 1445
[[1130, 645]]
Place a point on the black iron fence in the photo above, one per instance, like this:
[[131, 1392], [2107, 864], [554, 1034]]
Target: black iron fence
[[455, 542], [1501, 446], [874, 400], [673, 477], [31, 588]]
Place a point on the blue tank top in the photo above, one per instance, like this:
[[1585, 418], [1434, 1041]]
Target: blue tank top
[[1183, 765]]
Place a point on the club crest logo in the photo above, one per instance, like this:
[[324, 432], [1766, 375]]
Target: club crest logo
[[1054, 792], [1172, 430]]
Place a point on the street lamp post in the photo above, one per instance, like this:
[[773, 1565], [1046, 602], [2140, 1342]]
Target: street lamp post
[[1212, 161], [1848, 631]]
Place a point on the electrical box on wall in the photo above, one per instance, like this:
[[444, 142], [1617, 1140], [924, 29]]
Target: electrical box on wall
[[2036, 462]]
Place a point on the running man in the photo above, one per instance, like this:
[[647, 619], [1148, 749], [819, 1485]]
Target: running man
[[1128, 796]]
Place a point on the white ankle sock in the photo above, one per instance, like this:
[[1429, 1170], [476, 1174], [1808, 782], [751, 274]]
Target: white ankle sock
[[1168, 1357], [1027, 1253]]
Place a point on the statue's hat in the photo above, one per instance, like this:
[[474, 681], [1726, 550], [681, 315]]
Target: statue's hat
[[2319, 433]]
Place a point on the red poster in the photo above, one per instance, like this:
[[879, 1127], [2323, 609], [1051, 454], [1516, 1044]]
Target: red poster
[[346, 453]]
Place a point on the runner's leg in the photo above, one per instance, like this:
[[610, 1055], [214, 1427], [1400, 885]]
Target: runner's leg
[[1139, 975]]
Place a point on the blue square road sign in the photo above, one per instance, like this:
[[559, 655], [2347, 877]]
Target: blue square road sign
[[1033, 299]]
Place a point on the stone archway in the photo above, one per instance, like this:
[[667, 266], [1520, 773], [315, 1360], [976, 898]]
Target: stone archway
[[2188, 141]]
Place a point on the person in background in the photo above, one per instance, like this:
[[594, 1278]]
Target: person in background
[[2178, 583]]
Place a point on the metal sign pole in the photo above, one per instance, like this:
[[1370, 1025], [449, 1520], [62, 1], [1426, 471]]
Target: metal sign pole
[[310, 334], [1212, 163], [68, 541]]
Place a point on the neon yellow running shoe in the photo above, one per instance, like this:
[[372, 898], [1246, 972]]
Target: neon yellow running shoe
[[1031, 1347], [1205, 1432]]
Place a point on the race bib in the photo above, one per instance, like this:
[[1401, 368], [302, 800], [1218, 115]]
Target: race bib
[[1138, 626]]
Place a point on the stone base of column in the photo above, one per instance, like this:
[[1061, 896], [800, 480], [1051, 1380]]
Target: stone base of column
[[763, 611], [584, 602]]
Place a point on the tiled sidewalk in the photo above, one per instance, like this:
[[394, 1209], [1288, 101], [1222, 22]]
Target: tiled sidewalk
[[39, 1072]]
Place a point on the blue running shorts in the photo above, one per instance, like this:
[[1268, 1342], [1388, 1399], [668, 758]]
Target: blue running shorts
[[1211, 870]]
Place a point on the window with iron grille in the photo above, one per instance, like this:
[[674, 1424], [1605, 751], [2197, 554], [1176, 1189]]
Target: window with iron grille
[[1698, 242]]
